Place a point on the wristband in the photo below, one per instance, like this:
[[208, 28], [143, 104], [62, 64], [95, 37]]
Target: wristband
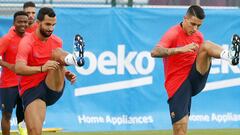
[[41, 69]]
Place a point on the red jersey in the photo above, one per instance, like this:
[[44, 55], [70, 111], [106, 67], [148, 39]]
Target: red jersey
[[177, 67], [32, 28], [35, 52], [8, 50]]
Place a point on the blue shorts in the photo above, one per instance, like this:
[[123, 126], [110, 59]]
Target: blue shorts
[[9, 98], [180, 102], [41, 92]]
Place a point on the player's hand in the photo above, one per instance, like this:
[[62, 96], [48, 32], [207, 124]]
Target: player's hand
[[50, 65], [7, 65], [190, 47], [70, 76]]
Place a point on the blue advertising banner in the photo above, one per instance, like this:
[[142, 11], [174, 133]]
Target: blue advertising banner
[[121, 87]]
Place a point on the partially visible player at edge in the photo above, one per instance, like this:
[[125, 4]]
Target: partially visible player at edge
[[9, 94], [41, 63], [187, 61]]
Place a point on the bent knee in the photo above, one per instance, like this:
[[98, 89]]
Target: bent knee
[[180, 127], [6, 115], [33, 130], [206, 45]]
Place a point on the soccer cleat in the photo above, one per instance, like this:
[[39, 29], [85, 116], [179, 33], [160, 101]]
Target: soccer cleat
[[234, 50], [78, 50], [21, 129]]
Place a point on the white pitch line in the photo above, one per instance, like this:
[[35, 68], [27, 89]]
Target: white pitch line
[[222, 84], [113, 86]]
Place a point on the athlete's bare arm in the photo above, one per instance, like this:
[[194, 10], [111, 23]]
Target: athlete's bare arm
[[21, 68], [7, 65], [164, 52]]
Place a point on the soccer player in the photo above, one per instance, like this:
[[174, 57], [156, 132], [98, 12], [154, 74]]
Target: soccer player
[[9, 81], [30, 8], [41, 63], [187, 61]]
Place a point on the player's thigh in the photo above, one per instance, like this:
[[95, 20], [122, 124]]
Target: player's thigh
[[55, 79], [198, 80], [35, 114], [34, 93], [203, 60], [180, 102], [8, 98], [53, 96], [43, 92]]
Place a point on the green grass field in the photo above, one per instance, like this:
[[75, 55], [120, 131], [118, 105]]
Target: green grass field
[[163, 132]]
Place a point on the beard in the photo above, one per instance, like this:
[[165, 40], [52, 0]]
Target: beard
[[44, 33], [30, 22]]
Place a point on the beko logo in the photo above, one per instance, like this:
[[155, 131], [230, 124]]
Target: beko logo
[[109, 63]]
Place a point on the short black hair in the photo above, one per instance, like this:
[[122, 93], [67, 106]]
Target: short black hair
[[45, 11], [18, 13], [28, 4], [197, 11]]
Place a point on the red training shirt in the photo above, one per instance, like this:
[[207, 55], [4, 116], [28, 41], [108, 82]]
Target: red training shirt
[[35, 52], [8, 50], [177, 67]]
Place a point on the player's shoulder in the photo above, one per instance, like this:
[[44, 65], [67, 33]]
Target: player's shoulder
[[7, 37], [56, 39], [199, 35], [175, 27], [28, 38], [174, 30]]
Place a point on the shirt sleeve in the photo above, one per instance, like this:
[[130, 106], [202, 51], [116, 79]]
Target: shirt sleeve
[[61, 43], [167, 39], [24, 50], [4, 42]]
